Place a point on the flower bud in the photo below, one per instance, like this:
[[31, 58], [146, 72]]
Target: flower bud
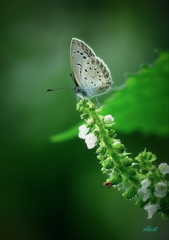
[[127, 161], [91, 105], [115, 179], [108, 163], [108, 119], [160, 189], [101, 150], [153, 168], [111, 133], [151, 157], [163, 168], [144, 156], [130, 192], [165, 216], [100, 157], [118, 146], [90, 121]]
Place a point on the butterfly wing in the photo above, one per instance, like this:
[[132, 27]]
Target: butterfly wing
[[95, 77], [79, 53]]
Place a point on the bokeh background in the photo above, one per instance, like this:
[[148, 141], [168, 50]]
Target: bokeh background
[[54, 191]]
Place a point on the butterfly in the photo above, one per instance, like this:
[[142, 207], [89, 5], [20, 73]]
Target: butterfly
[[91, 75]]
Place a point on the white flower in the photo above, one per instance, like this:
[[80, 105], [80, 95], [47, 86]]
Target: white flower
[[83, 130], [144, 194], [90, 140], [160, 189], [108, 119], [163, 168], [151, 209], [145, 183], [90, 121]]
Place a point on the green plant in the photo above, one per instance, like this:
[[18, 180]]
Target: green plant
[[145, 98], [137, 178]]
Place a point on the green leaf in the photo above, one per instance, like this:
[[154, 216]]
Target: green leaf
[[143, 105], [66, 135]]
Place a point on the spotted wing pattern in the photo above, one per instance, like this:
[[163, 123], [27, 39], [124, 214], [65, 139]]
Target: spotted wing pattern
[[91, 75], [95, 77], [79, 52]]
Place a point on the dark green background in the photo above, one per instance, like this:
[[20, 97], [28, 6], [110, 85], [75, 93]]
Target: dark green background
[[54, 191]]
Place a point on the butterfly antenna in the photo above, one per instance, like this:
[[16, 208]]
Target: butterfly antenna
[[59, 89]]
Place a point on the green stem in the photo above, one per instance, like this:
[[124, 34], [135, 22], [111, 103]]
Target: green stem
[[124, 172], [106, 139]]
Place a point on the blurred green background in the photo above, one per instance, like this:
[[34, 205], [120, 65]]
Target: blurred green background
[[54, 191]]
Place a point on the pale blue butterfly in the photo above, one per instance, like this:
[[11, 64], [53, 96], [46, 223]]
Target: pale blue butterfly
[[90, 74]]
